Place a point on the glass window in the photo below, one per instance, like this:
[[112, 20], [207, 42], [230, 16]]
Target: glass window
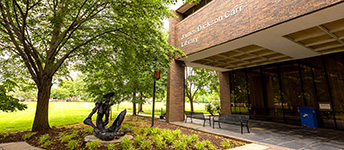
[[239, 95]]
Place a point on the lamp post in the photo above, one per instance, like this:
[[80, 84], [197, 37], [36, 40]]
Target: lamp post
[[157, 77]]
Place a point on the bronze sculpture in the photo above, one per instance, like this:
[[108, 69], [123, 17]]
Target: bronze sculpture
[[103, 108]]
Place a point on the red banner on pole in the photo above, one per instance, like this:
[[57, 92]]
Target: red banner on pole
[[157, 75]]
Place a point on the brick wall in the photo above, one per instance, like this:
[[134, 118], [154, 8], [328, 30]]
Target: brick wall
[[237, 18]]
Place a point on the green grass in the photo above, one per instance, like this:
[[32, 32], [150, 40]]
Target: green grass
[[147, 107], [64, 113], [59, 114]]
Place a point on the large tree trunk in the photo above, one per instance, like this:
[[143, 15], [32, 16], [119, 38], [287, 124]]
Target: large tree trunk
[[42, 110], [134, 103]]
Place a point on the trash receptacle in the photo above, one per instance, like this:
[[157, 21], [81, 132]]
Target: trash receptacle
[[308, 117]]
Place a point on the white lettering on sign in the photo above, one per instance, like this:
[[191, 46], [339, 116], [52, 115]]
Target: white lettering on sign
[[187, 42], [208, 24]]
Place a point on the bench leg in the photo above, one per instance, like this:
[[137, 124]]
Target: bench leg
[[191, 119], [186, 119], [213, 125], [209, 122], [247, 129], [241, 129], [204, 123], [219, 125]]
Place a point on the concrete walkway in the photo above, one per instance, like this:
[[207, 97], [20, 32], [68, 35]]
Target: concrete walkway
[[17, 146], [276, 135]]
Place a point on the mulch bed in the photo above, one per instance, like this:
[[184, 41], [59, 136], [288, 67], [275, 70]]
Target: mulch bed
[[135, 121]]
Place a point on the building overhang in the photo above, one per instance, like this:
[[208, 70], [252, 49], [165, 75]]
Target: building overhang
[[313, 34]]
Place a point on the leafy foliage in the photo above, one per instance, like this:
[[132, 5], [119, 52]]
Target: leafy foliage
[[138, 140], [8, 103], [195, 87], [179, 145], [199, 145], [146, 144], [226, 144], [120, 37], [111, 146], [92, 145], [44, 138], [126, 143], [28, 135], [72, 144]]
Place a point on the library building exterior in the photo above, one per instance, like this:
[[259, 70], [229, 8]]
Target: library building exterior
[[272, 56]]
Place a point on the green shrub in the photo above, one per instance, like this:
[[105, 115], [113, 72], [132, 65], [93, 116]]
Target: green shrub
[[28, 135], [211, 147], [43, 138], [75, 132], [176, 133], [179, 145], [72, 144], [138, 139], [158, 142], [92, 145], [199, 146], [6, 135], [146, 144], [62, 134], [143, 130], [126, 126], [153, 131], [186, 139], [206, 142], [126, 143], [47, 143], [67, 138], [111, 146], [169, 138], [226, 144], [88, 130], [194, 137]]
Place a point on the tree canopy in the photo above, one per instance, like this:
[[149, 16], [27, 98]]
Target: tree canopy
[[46, 36]]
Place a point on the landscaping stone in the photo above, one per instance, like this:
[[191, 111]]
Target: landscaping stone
[[91, 138]]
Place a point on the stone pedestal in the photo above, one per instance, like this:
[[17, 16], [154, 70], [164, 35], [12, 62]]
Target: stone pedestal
[[91, 138]]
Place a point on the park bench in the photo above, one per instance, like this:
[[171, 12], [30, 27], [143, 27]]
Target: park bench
[[241, 120], [197, 115]]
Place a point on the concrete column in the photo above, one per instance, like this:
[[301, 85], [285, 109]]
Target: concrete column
[[175, 79], [175, 92], [225, 92]]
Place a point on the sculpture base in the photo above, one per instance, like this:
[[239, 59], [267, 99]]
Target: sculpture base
[[91, 138]]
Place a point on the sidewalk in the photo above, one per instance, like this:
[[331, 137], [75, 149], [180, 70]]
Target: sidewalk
[[276, 135], [17, 146]]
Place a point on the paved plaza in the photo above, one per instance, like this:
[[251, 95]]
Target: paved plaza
[[277, 135]]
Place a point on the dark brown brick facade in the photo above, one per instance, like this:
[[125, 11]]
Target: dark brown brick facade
[[225, 92], [175, 92], [243, 17], [175, 81]]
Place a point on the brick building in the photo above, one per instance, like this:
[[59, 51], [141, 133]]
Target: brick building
[[273, 55]]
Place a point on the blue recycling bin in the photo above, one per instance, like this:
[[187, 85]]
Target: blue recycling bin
[[308, 117]]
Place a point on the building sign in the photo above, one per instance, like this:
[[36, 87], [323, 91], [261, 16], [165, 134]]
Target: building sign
[[207, 24], [325, 106], [221, 21]]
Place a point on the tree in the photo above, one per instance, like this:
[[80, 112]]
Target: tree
[[8, 103], [196, 81], [47, 35]]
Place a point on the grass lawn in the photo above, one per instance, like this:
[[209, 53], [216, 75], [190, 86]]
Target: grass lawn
[[147, 107], [60, 113], [64, 113]]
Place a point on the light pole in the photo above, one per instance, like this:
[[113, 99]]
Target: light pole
[[157, 77]]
